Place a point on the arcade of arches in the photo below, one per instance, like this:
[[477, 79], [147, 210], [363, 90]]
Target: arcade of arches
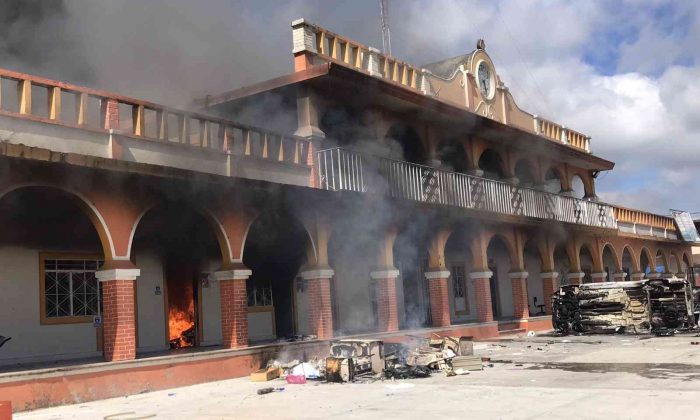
[[198, 269]]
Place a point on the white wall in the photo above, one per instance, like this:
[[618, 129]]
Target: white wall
[[352, 290], [19, 316], [211, 310], [505, 285]]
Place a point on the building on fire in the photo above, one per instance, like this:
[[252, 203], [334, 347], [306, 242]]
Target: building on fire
[[358, 194]]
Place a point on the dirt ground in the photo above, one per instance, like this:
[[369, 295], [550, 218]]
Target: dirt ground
[[530, 377]]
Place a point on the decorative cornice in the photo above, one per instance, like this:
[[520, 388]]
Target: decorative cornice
[[384, 274], [571, 276], [481, 275], [238, 274], [322, 273], [549, 275], [518, 275], [433, 275], [118, 274]]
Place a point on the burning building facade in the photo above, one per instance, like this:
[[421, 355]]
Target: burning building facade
[[357, 194]]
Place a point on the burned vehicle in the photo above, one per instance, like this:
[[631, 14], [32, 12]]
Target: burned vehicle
[[660, 306]]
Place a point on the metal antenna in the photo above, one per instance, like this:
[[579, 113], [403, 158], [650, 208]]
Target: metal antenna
[[386, 35]]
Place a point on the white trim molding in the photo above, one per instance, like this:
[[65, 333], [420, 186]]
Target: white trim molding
[[239, 274], [572, 276], [322, 273], [549, 275], [384, 274], [434, 275], [481, 275], [118, 274], [621, 275], [637, 276], [518, 275], [654, 275], [599, 275]]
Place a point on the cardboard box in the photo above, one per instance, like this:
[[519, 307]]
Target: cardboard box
[[264, 375]]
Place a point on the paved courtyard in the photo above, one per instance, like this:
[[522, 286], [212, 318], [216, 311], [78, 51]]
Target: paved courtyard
[[531, 377]]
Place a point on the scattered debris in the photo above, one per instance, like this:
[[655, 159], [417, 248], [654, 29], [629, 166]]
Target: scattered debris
[[406, 372], [661, 306], [264, 375], [695, 343], [263, 391], [531, 334]]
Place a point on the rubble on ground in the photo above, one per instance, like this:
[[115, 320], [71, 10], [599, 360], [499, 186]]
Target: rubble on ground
[[661, 306], [353, 360]]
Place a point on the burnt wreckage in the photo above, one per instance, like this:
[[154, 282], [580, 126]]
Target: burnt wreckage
[[658, 306]]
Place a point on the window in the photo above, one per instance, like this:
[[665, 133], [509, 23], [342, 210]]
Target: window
[[70, 292], [459, 290]]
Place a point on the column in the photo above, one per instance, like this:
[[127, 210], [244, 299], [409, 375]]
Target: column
[[637, 276], [549, 287], [520, 304], [439, 297], [318, 286], [575, 278], [234, 306], [482, 292], [387, 307], [118, 313], [619, 276]]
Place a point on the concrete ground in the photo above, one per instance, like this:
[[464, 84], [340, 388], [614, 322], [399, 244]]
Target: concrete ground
[[531, 377]]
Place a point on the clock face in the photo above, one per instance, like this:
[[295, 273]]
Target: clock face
[[484, 77]]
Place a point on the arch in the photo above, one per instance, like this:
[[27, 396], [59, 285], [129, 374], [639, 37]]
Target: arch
[[646, 263], [88, 209], [628, 262], [610, 262], [686, 261], [525, 172], [534, 261], [563, 261], [661, 260], [276, 249], [553, 180], [453, 156], [492, 164], [578, 187], [405, 144], [674, 263], [587, 260], [507, 241]]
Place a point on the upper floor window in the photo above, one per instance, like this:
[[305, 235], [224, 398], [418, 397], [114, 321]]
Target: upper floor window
[[70, 292]]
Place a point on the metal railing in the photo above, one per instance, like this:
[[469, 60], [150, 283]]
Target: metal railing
[[341, 169]]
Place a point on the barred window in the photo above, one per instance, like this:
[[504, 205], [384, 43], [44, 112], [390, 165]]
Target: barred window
[[70, 288], [459, 290]]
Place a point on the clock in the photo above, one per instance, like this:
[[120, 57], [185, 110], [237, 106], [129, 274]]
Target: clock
[[485, 80]]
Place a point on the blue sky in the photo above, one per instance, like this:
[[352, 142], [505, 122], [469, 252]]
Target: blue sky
[[623, 71]]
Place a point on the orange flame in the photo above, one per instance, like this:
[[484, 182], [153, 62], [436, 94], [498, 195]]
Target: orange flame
[[180, 321]]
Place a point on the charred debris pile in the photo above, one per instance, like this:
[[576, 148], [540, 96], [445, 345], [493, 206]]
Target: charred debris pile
[[371, 360], [661, 306]]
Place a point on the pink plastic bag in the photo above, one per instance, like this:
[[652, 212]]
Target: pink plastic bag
[[296, 379]]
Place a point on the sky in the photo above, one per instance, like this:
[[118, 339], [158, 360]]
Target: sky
[[625, 72]]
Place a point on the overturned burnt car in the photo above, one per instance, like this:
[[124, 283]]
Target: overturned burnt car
[[660, 306]]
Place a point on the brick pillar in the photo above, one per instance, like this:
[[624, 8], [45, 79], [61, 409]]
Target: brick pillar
[[118, 313], [318, 286], [109, 109], [482, 292], [520, 303], [387, 306], [234, 306], [439, 297], [549, 286], [599, 277], [575, 278]]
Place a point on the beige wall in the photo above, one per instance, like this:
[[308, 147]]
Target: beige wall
[[151, 313], [19, 316]]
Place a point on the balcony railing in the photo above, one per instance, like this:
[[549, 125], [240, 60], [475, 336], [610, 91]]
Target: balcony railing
[[341, 169], [50, 101]]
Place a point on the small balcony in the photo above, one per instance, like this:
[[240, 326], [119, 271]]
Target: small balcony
[[341, 169]]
